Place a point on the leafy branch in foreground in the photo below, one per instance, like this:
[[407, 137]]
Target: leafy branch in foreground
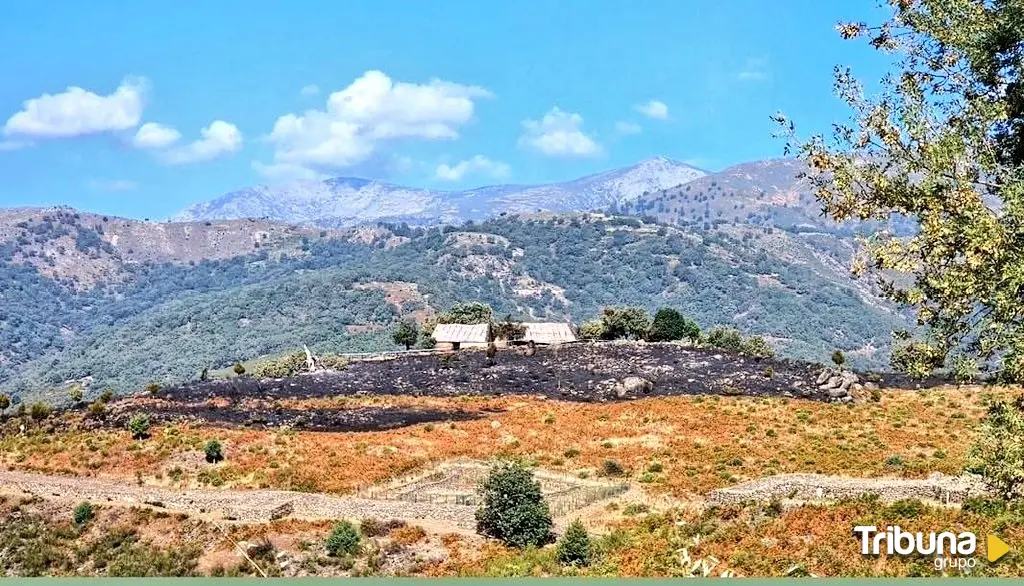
[[941, 144]]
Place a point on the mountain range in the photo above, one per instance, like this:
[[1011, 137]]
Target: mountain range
[[106, 301], [347, 201]]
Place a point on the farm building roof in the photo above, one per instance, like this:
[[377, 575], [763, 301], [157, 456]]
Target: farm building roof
[[462, 333], [548, 333]]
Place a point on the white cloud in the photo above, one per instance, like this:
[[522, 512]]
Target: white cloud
[[77, 112], [310, 90], [153, 135], [372, 111], [284, 172], [218, 139], [558, 134], [478, 165], [653, 109], [755, 69], [113, 185], [628, 128]]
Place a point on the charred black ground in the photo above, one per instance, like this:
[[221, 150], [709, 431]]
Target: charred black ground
[[583, 372]]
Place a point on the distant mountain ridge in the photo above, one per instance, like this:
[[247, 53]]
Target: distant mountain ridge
[[346, 201]]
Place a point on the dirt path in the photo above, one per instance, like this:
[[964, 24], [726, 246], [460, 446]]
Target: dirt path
[[252, 506]]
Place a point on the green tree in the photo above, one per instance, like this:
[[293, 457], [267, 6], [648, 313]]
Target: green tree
[[238, 369], [574, 548], [5, 401], [214, 451], [139, 425], [406, 333], [669, 325], [512, 508], [725, 338], [943, 145], [624, 322], [467, 313], [343, 540], [838, 359], [998, 452]]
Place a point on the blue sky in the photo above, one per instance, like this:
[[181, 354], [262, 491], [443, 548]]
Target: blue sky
[[179, 102]]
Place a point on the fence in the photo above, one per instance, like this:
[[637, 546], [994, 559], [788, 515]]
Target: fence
[[457, 483]]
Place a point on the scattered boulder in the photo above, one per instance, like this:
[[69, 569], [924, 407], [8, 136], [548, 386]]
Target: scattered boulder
[[632, 385]]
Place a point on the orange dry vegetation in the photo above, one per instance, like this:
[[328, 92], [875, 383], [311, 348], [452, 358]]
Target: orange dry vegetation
[[678, 445]]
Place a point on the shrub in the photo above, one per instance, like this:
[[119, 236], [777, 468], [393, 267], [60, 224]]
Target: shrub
[[998, 452], [406, 333], [332, 362], [343, 540], [205, 374], [75, 394], [906, 509], [214, 451], [139, 425], [238, 369], [83, 513], [97, 409], [876, 395], [612, 468], [964, 370], [39, 411], [669, 325], [757, 347], [591, 330], [574, 547], [838, 359], [107, 395], [725, 338], [5, 401], [281, 367], [152, 388], [624, 322], [512, 508]]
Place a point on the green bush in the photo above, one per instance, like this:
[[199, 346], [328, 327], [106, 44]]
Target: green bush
[[612, 468], [238, 369], [574, 547], [343, 540], [591, 330], [998, 451], [97, 409], [281, 367], [139, 425], [332, 362], [669, 325], [624, 322], [512, 508], [214, 451], [5, 401], [83, 513], [40, 411], [725, 338], [75, 394], [757, 347]]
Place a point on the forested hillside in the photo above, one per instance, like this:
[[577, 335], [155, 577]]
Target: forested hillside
[[166, 322]]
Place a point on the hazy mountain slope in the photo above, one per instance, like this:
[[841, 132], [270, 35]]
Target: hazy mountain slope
[[347, 201], [169, 321]]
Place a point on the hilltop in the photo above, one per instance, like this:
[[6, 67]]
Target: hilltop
[[347, 201]]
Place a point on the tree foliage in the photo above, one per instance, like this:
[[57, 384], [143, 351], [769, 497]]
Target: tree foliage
[[512, 508], [138, 425], [669, 325], [406, 333], [574, 548], [624, 322], [344, 540], [942, 144], [998, 453]]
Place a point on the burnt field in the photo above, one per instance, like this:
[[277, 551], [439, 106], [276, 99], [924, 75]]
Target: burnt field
[[584, 372]]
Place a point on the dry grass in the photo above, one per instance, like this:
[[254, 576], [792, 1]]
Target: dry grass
[[680, 446]]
